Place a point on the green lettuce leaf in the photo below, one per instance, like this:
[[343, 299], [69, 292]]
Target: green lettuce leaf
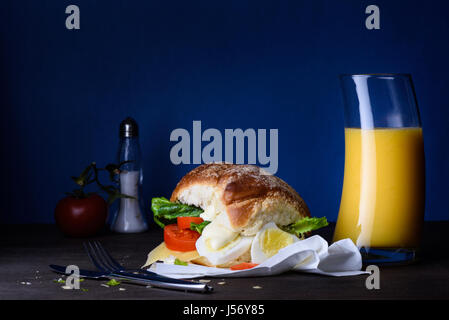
[[198, 227], [113, 283], [307, 224], [180, 262], [165, 212]]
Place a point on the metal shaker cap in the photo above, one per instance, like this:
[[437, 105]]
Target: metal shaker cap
[[129, 128]]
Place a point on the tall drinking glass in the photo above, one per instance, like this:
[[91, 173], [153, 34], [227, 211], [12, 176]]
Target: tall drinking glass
[[382, 203]]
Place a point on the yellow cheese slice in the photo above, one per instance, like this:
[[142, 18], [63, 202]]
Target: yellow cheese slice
[[161, 252]]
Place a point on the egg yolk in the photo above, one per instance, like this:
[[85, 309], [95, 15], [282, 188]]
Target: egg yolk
[[273, 240]]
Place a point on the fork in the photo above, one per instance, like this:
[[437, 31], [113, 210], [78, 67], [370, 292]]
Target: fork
[[105, 263]]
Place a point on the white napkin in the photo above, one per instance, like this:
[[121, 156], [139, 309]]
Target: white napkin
[[312, 255]]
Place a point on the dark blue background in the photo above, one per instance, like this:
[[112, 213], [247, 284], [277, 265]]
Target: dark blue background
[[230, 64]]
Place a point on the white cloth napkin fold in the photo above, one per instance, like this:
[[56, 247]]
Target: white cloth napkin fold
[[312, 255]]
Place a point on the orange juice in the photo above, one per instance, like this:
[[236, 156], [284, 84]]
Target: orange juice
[[382, 202]]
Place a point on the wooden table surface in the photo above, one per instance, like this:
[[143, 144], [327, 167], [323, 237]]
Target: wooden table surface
[[27, 250]]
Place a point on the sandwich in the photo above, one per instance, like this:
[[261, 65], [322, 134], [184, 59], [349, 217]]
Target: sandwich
[[229, 216]]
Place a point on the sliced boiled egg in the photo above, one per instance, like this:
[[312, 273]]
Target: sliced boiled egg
[[268, 241], [220, 244]]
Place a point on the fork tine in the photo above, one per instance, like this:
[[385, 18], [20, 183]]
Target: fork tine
[[104, 257], [111, 260], [100, 258], [93, 256]]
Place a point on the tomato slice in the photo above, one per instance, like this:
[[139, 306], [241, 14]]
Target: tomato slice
[[184, 222], [244, 266], [180, 239]]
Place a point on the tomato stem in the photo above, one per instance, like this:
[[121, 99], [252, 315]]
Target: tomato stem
[[90, 174]]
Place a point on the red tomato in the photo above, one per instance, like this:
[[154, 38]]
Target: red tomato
[[81, 217], [244, 266], [184, 222], [180, 239]]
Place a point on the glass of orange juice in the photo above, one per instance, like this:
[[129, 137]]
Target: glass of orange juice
[[382, 202]]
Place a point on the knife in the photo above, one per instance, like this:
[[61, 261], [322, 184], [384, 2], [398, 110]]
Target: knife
[[145, 279], [83, 273]]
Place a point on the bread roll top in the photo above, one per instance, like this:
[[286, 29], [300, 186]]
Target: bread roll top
[[250, 196]]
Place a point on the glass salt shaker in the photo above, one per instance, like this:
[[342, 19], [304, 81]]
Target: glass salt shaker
[[130, 216]]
